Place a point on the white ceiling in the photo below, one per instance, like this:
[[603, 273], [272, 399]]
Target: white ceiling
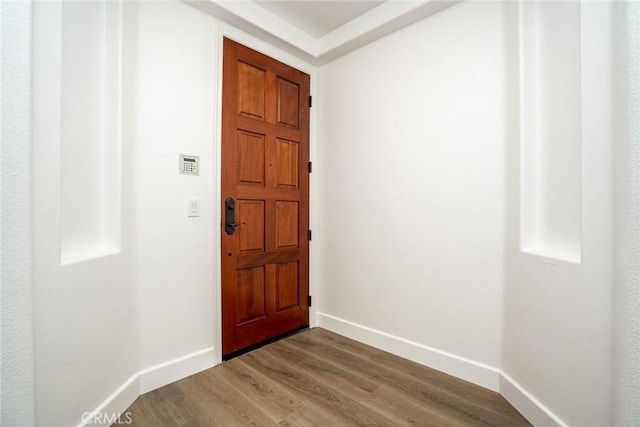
[[319, 31], [318, 18]]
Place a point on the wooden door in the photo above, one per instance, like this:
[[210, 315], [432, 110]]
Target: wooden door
[[265, 154]]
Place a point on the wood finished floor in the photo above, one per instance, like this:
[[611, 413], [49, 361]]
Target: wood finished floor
[[318, 378]]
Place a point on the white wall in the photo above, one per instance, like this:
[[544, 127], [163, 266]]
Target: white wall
[[413, 200], [111, 324], [558, 315], [551, 112], [84, 313], [103, 322], [90, 133], [410, 164], [627, 238], [16, 323], [171, 79], [415, 133]]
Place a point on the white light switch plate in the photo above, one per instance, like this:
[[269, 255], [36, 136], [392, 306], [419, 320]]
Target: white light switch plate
[[193, 207]]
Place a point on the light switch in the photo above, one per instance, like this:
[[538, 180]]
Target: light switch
[[193, 207]]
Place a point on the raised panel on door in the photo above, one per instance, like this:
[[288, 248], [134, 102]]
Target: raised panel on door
[[287, 232], [288, 101], [252, 83], [287, 286], [251, 220], [251, 294], [251, 158], [265, 143], [288, 163]]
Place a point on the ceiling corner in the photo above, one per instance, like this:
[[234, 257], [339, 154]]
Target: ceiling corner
[[373, 23]]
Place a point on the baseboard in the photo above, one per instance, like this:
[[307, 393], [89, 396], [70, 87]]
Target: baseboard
[[469, 370], [165, 373], [530, 407], [147, 380], [486, 376], [176, 369], [115, 405]]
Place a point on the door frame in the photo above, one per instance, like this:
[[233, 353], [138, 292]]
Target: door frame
[[249, 41]]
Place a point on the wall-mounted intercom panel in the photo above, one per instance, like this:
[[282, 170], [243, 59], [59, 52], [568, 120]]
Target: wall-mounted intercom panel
[[189, 165]]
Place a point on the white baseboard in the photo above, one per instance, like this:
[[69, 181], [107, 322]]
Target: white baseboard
[[469, 370], [176, 369], [486, 376], [147, 380], [483, 375], [530, 407], [114, 405]]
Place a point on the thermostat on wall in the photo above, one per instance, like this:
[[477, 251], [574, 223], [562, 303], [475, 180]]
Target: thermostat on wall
[[189, 164]]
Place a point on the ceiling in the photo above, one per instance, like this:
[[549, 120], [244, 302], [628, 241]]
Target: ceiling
[[317, 18], [319, 31]]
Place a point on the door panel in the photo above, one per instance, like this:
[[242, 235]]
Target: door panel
[[251, 91], [287, 234], [288, 94], [251, 217], [265, 143], [251, 158], [287, 288], [288, 164], [251, 294]]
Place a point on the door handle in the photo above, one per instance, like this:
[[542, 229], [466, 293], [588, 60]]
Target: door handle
[[230, 216]]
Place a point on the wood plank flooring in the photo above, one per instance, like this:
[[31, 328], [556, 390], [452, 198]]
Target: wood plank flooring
[[318, 378]]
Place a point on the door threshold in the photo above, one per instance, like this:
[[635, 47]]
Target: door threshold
[[263, 343]]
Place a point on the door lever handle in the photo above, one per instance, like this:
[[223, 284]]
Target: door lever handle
[[230, 223]]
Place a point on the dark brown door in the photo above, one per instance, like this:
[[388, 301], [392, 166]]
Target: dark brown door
[[265, 187]]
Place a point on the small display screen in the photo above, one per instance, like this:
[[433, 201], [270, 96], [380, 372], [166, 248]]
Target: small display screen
[[189, 160]]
